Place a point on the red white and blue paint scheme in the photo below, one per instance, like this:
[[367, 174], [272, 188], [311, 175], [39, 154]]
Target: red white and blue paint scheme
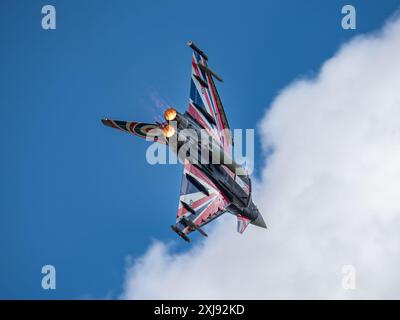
[[208, 188]]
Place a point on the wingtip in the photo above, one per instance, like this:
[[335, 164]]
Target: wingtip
[[180, 233], [192, 45], [106, 122]]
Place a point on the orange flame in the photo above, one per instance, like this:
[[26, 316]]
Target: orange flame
[[170, 114], [168, 131]]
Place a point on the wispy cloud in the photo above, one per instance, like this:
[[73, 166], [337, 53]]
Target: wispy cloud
[[330, 194]]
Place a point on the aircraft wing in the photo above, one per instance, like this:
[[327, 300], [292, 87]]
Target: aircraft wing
[[148, 131], [205, 105], [199, 203]]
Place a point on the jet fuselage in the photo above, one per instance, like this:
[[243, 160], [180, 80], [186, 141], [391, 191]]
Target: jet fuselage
[[193, 143]]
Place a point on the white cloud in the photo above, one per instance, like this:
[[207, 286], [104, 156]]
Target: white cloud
[[330, 194]]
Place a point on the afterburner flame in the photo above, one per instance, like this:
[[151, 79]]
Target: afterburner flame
[[170, 114], [168, 131]]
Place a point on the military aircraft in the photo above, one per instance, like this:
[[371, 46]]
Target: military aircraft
[[209, 188]]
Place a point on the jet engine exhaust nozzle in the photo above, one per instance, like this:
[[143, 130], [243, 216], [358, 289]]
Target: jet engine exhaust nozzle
[[170, 114], [168, 131]]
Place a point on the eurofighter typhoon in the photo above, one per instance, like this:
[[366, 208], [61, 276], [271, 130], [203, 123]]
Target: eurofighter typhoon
[[212, 182]]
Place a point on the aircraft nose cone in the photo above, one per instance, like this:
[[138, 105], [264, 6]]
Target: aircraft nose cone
[[259, 221]]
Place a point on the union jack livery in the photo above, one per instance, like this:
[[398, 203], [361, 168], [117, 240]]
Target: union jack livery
[[212, 182]]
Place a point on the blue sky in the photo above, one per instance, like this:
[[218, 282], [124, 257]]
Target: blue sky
[[81, 196]]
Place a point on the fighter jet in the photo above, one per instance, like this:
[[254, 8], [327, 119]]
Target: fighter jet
[[212, 182]]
